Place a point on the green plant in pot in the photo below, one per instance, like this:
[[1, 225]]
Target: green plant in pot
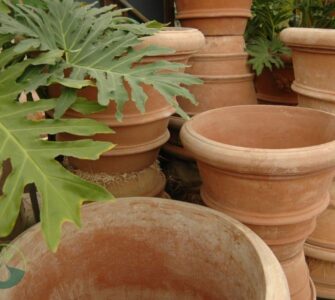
[[269, 57], [74, 46]]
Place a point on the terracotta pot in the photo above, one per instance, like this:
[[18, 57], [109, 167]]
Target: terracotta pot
[[313, 54], [270, 167], [313, 60], [222, 55], [321, 263], [144, 248], [138, 136], [274, 86], [215, 17], [320, 252], [220, 91]]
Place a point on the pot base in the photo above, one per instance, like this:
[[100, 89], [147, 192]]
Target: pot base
[[149, 182], [321, 263]]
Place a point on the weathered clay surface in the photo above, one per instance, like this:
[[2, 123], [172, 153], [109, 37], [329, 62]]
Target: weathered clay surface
[[221, 91], [150, 249], [271, 168], [215, 17]]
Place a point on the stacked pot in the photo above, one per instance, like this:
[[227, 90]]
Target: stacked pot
[[131, 168], [221, 64], [314, 65]]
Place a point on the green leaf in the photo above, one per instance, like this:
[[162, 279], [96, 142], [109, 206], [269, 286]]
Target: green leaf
[[32, 160], [265, 54], [102, 48], [87, 107], [64, 102], [10, 87]]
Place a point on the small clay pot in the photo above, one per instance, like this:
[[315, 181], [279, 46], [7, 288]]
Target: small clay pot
[[271, 168], [274, 86], [313, 54], [146, 248], [220, 91], [215, 17]]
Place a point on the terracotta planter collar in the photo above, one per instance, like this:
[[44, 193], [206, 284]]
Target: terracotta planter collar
[[309, 38], [211, 13], [183, 40], [275, 162]]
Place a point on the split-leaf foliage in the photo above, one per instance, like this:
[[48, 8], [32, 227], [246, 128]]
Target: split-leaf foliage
[[64, 42], [270, 17]]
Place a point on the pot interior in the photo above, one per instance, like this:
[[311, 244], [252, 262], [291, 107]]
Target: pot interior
[[266, 126], [145, 249]]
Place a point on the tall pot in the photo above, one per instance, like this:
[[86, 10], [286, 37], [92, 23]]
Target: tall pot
[[270, 167], [139, 136], [314, 62], [146, 248], [215, 17]]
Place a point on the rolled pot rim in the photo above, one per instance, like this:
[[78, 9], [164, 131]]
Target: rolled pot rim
[[268, 261], [174, 38], [309, 38], [292, 161]]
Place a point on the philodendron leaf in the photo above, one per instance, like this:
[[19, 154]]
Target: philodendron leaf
[[100, 44], [10, 87], [33, 161]]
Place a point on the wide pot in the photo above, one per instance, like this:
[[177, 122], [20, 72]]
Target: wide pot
[[145, 248], [313, 54], [215, 17], [271, 168], [274, 86]]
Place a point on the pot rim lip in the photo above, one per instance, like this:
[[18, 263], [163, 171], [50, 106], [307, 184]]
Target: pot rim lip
[[215, 78], [231, 55], [319, 253], [213, 13], [260, 160], [271, 270], [318, 38], [174, 38]]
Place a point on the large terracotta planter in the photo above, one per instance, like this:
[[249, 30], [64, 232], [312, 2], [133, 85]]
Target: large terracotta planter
[[215, 17], [313, 54], [140, 135], [270, 167], [314, 62], [274, 86], [144, 248]]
